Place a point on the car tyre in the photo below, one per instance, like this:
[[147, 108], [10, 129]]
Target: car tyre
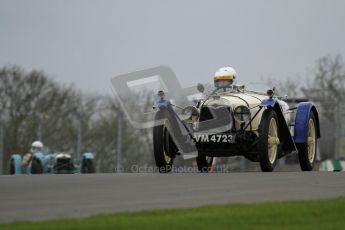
[[307, 151], [204, 163], [87, 166], [12, 168], [36, 166], [268, 140], [164, 147]]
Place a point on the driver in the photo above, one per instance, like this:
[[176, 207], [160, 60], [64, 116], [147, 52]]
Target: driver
[[224, 77], [36, 147]]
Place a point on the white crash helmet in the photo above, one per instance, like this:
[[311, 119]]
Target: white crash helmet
[[224, 77], [36, 146]]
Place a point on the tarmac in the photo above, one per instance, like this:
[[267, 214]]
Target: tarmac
[[42, 197]]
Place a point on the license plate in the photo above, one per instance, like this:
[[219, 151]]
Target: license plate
[[215, 138]]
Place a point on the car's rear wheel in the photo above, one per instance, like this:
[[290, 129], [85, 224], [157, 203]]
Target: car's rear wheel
[[268, 140], [204, 163], [63, 165], [87, 166], [307, 151], [36, 166], [12, 169]]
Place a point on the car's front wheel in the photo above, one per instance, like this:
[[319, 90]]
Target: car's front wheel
[[307, 151], [163, 147], [268, 140], [204, 163], [36, 166]]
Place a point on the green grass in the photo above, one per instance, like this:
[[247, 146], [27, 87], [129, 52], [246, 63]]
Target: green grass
[[320, 214]]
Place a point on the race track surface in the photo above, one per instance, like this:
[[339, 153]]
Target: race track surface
[[29, 197]]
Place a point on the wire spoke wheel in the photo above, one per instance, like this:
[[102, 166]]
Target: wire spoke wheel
[[268, 140], [307, 150], [272, 140], [311, 140]]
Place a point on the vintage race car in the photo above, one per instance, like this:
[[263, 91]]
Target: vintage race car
[[41, 163], [234, 121]]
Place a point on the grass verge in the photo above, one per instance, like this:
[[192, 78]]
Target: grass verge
[[319, 214]]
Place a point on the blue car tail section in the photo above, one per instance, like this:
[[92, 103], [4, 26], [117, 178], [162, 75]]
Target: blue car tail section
[[288, 144], [301, 121], [17, 163]]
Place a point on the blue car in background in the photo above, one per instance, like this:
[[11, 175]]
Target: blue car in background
[[56, 163]]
